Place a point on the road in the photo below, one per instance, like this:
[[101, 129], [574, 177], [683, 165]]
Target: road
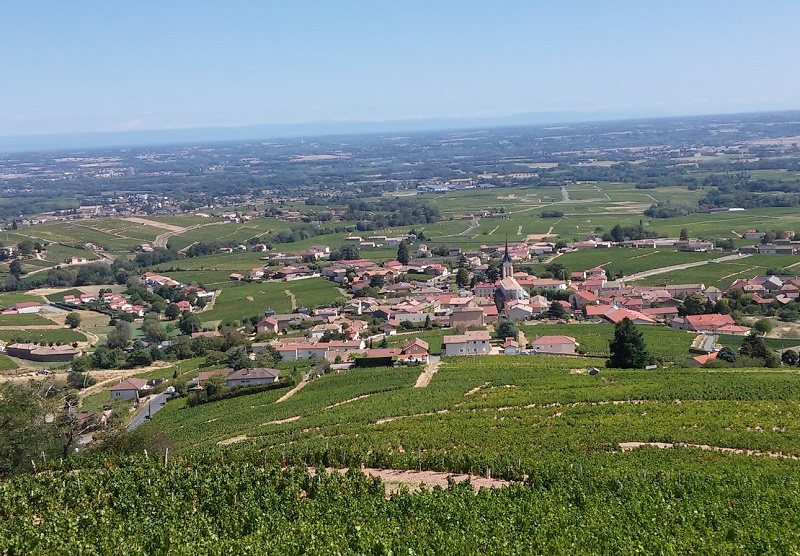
[[665, 269], [155, 404]]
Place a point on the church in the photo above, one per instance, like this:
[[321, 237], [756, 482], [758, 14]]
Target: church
[[508, 289]]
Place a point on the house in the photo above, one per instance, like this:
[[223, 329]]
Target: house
[[510, 346], [661, 313], [707, 323], [581, 299], [27, 307], [467, 317], [554, 345], [416, 351], [469, 343], [184, 306], [34, 352], [251, 377], [516, 310], [128, 389], [701, 360]]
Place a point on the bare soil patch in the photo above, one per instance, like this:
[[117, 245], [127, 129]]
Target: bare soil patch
[[155, 224], [351, 400], [287, 420]]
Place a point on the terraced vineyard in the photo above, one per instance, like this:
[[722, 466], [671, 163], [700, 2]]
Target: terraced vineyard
[[504, 413], [566, 441]]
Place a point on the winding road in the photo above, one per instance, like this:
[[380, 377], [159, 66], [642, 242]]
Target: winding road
[[666, 269]]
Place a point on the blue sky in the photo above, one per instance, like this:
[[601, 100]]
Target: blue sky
[[119, 66]]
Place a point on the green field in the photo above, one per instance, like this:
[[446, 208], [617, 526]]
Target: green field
[[666, 344], [501, 410], [25, 319], [7, 364], [10, 298], [243, 300], [626, 261], [723, 274], [59, 297], [65, 336]]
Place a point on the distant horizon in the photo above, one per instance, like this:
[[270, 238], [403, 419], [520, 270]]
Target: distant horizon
[[327, 128], [98, 66]]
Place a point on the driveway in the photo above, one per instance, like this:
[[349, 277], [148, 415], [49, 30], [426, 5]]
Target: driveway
[[155, 403]]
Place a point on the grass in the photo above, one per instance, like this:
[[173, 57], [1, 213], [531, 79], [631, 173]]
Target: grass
[[59, 297], [7, 364], [65, 336], [666, 344], [10, 298], [626, 261], [243, 300], [722, 275], [25, 319]]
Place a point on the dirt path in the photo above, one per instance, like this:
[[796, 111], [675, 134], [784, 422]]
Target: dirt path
[[292, 298], [33, 327], [162, 239], [425, 377], [351, 400], [396, 477], [155, 224], [627, 446], [673, 268], [210, 304], [292, 392]]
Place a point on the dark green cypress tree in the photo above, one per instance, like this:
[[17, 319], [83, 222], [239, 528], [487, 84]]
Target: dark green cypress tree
[[628, 350]]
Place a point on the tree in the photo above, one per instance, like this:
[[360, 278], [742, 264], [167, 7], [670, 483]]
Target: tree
[[139, 358], [790, 357], [172, 311], [628, 350], [214, 385], [506, 329], [153, 330], [26, 430], [684, 234], [753, 346], [189, 323], [237, 358], [349, 252], [120, 336], [73, 319], [556, 311], [727, 354], [694, 304], [558, 270], [79, 381], [268, 357], [403, 255], [763, 327], [15, 268], [462, 277]]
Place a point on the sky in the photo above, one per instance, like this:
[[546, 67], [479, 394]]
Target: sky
[[148, 65]]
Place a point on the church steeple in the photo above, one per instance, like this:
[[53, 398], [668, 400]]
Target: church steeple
[[508, 266]]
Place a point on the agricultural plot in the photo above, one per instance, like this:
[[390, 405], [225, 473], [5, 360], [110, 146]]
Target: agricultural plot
[[244, 300], [506, 412], [10, 298], [722, 274], [745, 508], [626, 261], [665, 344], [25, 319], [7, 364], [64, 336]]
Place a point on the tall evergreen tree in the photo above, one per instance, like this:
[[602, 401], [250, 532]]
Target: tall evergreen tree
[[402, 253], [462, 277], [628, 350]]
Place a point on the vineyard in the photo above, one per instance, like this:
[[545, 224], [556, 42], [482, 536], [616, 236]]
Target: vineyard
[[186, 507], [559, 435]]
